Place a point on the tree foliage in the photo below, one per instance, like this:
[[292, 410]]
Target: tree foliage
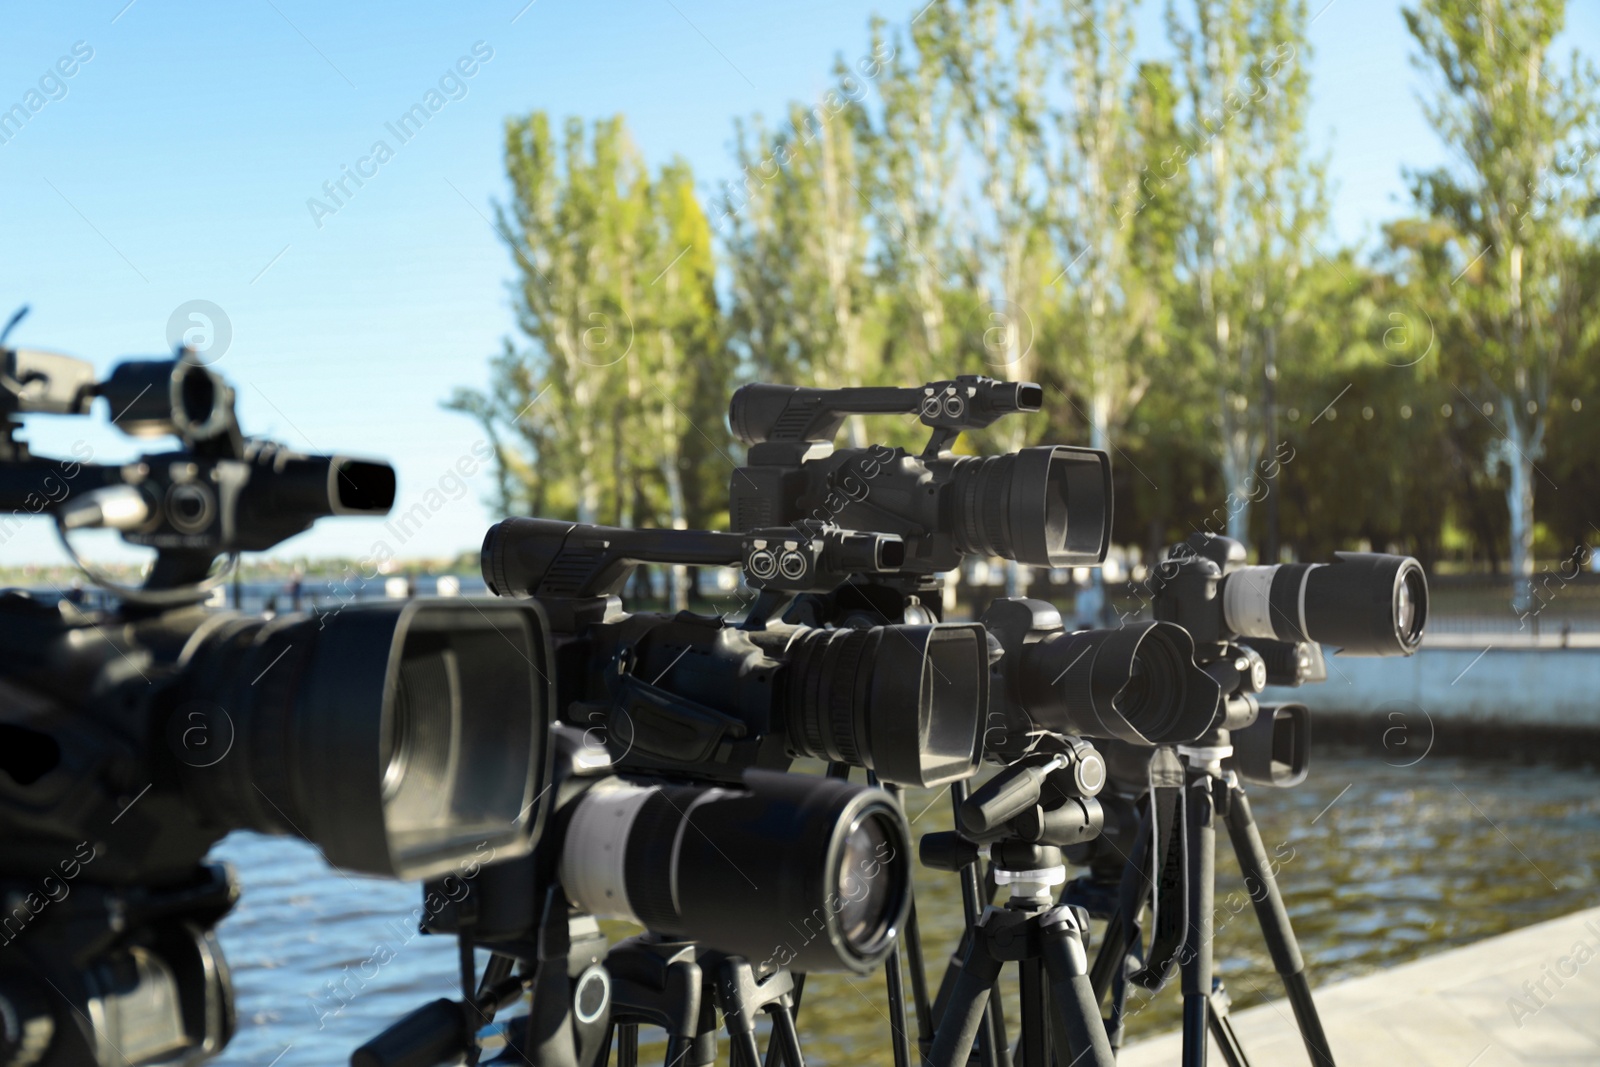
[[998, 186]]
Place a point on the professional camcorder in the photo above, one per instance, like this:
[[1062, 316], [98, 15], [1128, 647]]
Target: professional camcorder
[[840, 656], [399, 738], [1253, 626], [1048, 506]]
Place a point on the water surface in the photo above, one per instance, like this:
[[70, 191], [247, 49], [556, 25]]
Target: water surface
[[1383, 864]]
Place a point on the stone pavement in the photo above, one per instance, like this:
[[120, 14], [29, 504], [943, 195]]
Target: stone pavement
[[1528, 997]]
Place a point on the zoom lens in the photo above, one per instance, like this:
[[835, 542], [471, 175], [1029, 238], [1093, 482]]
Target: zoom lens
[[397, 738], [788, 870], [907, 702], [1364, 603], [1046, 506], [1138, 684]]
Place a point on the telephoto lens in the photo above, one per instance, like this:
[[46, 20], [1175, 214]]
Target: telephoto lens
[[397, 738], [787, 870], [1364, 603]]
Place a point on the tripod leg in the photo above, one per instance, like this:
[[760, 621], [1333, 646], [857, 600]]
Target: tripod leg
[[912, 939], [1061, 938], [1034, 1048], [1222, 1028], [1274, 920], [965, 1011], [897, 1009], [786, 1037], [919, 980], [1196, 958], [993, 1047]]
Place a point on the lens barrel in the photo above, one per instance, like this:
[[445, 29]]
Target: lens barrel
[[1138, 684], [1364, 603], [397, 738], [908, 702], [789, 871], [1047, 507]]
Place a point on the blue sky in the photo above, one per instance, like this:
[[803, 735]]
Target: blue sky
[[176, 164]]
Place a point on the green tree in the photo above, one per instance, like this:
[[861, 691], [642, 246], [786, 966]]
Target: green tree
[[1255, 204], [918, 263], [797, 243], [993, 56], [1513, 207], [610, 411]]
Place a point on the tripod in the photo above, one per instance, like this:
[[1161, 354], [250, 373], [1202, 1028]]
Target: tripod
[[1043, 939], [1186, 888], [1211, 792]]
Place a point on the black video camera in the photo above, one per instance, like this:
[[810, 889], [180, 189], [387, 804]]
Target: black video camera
[[707, 697], [1047, 506], [397, 737]]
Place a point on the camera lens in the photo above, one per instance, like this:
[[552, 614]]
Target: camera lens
[[906, 701], [789, 870], [397, 738], [1047, 506], [1364, 603], [1138, 684], [868, 912]]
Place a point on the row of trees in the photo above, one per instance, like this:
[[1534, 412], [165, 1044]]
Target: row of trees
[[999, 187]]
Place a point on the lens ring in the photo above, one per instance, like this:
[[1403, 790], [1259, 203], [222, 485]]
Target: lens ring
[[593, 994], [1410, 604], [868, 881]]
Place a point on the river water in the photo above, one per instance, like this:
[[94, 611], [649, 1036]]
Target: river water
[[1383, 864]]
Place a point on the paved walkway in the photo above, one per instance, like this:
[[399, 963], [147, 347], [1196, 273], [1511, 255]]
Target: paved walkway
[[1468, 1007]]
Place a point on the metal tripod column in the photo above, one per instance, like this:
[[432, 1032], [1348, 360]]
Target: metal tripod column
[[1274, 919], [1202, 767]]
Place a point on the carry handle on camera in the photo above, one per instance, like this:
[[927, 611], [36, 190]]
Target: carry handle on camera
[[789, 418], [555, 559]]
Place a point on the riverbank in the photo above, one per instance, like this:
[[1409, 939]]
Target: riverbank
[[1531, 996]]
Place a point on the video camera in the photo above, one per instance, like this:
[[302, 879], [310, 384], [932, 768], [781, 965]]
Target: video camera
[[397, 737], [695, 713], [1048, 506]]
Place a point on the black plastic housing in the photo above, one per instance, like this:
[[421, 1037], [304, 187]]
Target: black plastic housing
[[1274, 750]]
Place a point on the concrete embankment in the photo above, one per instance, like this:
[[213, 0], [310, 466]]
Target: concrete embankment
[[1465, 695], [1528, 997]]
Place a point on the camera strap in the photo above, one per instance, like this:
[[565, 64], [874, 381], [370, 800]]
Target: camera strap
[[1163, 873]]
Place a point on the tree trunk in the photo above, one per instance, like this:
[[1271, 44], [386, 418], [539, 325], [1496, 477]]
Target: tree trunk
[[1519, 505]]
